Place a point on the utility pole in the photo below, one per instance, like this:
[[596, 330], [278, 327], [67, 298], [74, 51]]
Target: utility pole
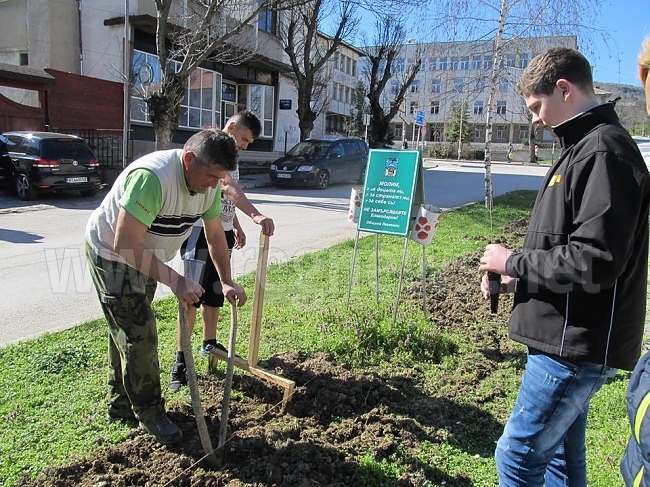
[[126, 75]]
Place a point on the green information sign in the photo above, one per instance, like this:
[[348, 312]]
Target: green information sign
[[388, 192]]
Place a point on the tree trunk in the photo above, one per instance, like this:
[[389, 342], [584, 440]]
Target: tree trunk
[[532, 142], [378, 132], [164, 108], [306, 124], [306, 117], [488, 124]]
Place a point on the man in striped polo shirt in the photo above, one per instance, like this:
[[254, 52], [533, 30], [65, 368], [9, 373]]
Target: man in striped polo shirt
[[130, 237]]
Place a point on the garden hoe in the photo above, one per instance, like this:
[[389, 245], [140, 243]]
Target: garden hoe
[[227, 388], [210, 457]]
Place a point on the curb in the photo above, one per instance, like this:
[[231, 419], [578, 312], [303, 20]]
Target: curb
[[248, 182]]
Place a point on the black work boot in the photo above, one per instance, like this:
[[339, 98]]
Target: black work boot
[[120, 414], [178, 377], [163, 430]]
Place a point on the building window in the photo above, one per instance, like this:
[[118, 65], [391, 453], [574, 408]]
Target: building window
[[464, 63], [436, 85], [198, 104], [458, 84], [24, 59], [334, 90], [503, 85], [476, 62], [201, 104], [502, 132], [354, 68], [523, 132], [413, 106], [415, 86], [442, 64], [501, 107], [394, 87], [487, 62], [512, 62], [478, 107], [398, 131], [480, 85], [261, 101], [523, 61], [341, 92], [347, 94], [433, 64], [435, 107], [453, 63], [266, 19], [399, 66]]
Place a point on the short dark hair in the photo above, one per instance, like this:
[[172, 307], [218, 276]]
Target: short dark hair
[[213, 147], [248, 119], [544, 71]]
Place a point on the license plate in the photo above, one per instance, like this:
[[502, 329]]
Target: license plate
[[284, 176], [76, 180]]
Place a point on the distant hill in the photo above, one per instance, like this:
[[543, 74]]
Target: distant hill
[[631, 108], [629, 94]]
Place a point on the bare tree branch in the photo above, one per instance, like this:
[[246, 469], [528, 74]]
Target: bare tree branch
[[217, 30], [387, 45]]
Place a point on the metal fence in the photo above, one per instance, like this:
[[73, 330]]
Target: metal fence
[[107, 145]]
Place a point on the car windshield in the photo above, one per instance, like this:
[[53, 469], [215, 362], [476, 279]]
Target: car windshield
[[310, 148], [66, 149]]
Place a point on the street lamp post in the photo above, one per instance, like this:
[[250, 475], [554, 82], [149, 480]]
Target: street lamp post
[[287, 129]]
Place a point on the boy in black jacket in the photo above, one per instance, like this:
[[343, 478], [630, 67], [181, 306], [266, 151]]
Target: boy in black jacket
[[580, 278]]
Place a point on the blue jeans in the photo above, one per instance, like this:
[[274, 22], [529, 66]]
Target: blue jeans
[[544, 439]]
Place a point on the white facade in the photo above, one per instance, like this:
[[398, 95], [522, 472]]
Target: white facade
[[86, 37], [460, 72], [344, 69]]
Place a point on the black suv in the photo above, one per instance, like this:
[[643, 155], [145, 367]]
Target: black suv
[[39, 161], [319, 162]]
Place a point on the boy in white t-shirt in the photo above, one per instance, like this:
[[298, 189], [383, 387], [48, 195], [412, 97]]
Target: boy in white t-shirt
[[244, 127]]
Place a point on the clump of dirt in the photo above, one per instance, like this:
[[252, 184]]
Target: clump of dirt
[[336, 416]]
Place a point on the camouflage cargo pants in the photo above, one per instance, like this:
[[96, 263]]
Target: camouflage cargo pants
[[125, 296]]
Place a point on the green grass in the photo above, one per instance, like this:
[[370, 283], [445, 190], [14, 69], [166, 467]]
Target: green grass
[[52, 389]]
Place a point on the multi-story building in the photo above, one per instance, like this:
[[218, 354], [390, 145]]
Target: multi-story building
[[455, 73], [344, 78], [88, 37], [340, 76]]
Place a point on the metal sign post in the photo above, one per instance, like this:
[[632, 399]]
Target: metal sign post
[[393, 187], [366, 122]]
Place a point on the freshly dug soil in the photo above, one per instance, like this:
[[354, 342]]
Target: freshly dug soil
[[336, 415]]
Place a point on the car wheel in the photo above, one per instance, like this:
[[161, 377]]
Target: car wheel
[[88, 192], [322, 179], [24, 189]]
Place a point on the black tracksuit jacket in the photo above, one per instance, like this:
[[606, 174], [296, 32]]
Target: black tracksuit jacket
[[582, 272]]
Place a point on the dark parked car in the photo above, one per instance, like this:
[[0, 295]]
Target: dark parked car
[[40, 161], [319, 162]]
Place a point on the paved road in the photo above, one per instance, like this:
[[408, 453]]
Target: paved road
[[644, 145], [45, 285]]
